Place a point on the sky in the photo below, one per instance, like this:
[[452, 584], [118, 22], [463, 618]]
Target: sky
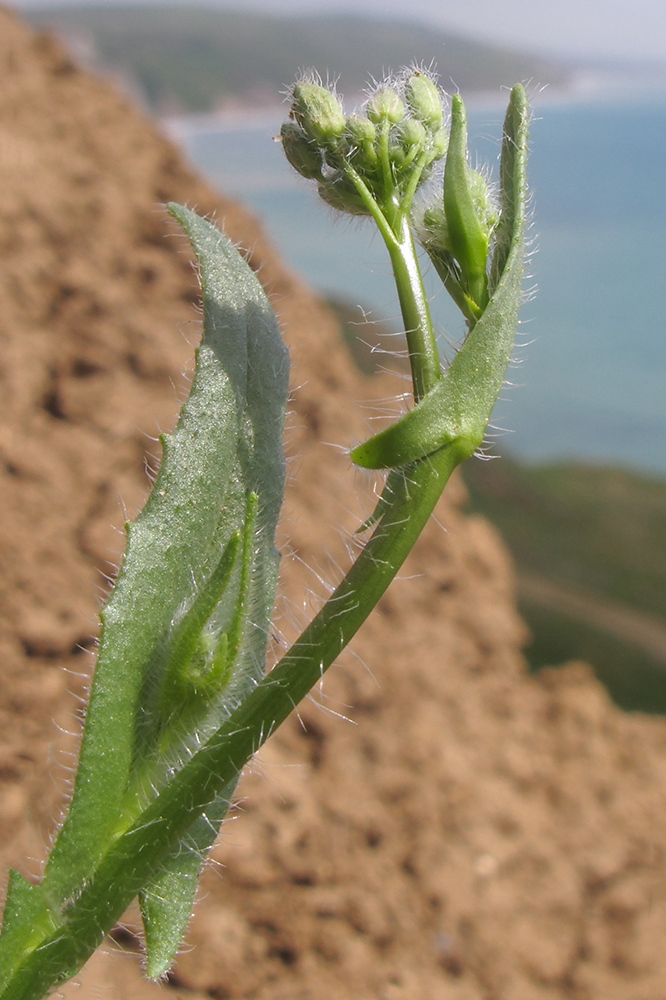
[[626, 29]]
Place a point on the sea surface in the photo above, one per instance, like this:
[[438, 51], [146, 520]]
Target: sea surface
[[589, 376]]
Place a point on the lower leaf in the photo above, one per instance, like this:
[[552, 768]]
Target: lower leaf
[[167, 900]]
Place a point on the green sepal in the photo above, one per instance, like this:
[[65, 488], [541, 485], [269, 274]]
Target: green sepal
[[341, 194], [458, 408]]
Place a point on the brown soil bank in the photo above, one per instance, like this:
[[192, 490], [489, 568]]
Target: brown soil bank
[[474, 833]]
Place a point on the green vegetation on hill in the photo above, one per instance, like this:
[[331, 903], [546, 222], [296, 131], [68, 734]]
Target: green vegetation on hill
[[590, 549], [634, 680], [598, 530], [193, 59]]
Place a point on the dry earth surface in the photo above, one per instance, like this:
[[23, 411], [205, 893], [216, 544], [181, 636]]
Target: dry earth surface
[[435, 823]]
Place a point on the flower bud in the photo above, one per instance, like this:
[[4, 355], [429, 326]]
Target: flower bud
[[435, 231], [359, 142], [412, 134], [411, 141], [423, 100], [486, 210], [360, 130], [318, 112], [385, 105], [439, 144], [339, 192], [301, 153]]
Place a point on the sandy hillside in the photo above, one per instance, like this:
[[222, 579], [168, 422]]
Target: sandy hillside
[[466, 832]]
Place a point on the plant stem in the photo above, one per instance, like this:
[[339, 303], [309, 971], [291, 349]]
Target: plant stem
[[387, 173], [393, 224], [48, 935], [138, 853], [66, 942], [421, 343], [370, 203]]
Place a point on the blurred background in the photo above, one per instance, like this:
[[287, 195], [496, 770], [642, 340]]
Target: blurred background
[[580, 491]]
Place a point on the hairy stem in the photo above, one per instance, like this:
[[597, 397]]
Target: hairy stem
[[421, 343], [50, 929], [393, 224], [138, 854], [66, 941]]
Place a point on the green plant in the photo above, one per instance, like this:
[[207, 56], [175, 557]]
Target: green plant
[[179, 700]]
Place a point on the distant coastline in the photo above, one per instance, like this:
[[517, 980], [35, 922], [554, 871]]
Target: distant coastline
[[585, 86], [186, 60], [608, 85]]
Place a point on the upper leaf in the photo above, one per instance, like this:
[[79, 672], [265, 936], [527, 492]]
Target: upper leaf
[[458, 408]]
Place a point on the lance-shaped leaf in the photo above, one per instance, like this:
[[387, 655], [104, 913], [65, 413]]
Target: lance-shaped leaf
[[458, 408], [166, 901], [200, 555]]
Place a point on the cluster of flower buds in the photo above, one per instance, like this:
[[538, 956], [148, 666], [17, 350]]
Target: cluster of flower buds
[[380, 157], [390, 148], [456, 231]]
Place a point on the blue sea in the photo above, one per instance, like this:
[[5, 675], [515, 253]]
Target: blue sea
[[589, 376]]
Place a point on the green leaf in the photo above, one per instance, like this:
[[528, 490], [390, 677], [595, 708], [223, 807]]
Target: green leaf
[[166, 902], [226, 448], [21, 898], [467, 236], [458, 408], [513, 183], [25, 920]]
